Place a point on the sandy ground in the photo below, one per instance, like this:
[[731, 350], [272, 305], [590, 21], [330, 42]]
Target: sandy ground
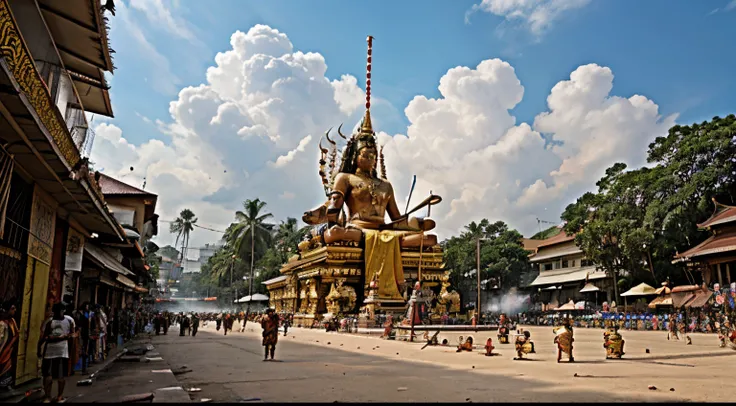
[[327, 367]]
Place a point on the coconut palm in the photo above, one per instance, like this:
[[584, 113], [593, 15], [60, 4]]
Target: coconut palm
[[182, 227], [250, 229]]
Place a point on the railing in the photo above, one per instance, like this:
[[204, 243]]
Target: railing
[[16, 54]]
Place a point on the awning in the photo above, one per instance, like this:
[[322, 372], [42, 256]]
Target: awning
[[565, 276], [126, 281], [683, 294], [552, 288], [275, 280], [568, 306], [665, 300], [589, 287], [141, 289], [700, 299], [641, 289], [256, 298], [554, 253], [104, 259], [664, 289]]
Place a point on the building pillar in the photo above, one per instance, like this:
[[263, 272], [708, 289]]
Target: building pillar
[[728, 273], [720, 277]]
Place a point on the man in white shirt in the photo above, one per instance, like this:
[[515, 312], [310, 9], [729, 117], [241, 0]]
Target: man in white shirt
[[55, 366]]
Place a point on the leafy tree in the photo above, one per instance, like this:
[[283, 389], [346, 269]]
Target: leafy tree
[[250, 235], [639, 219], [182, 227], [502, 255]]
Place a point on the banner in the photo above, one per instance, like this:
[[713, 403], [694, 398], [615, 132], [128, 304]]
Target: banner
[[43, 224], [74, 251]]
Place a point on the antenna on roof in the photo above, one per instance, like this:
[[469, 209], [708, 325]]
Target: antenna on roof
[[539, 223]]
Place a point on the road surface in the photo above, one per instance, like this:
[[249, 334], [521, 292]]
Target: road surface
[[329, 367]]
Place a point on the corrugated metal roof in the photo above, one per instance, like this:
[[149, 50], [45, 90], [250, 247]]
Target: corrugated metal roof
[[566, 275]]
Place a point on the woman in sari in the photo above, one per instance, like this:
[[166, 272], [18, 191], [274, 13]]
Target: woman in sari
[[8, 340]]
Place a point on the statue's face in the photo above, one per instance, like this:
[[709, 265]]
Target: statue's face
[[366, 159]]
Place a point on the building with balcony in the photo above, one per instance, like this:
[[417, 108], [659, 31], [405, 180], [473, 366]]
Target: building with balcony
[[565, 274], [53, 55]]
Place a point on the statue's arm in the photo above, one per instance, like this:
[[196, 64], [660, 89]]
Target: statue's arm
[[342, 185], [393, 208]]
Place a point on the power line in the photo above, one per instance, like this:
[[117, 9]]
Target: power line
[[196, 225]]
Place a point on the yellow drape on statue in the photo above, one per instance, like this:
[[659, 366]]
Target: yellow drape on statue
[[383, 261]]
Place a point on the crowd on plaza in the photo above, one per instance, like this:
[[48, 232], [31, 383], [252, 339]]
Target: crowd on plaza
[[73, 339]]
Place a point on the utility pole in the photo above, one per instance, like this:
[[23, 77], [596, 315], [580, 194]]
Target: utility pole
[[232, 264], [477, 264]]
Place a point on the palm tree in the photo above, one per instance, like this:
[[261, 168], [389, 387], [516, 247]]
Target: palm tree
[[251, 229], [288, 237], [182, 226]]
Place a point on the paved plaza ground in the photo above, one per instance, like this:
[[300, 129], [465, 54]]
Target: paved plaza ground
[[327, 367]]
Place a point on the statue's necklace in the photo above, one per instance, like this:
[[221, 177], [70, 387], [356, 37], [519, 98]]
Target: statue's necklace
[[372, 188]]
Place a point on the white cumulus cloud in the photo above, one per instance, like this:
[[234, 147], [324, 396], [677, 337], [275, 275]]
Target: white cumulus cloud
[[251, 131], [536, 15]]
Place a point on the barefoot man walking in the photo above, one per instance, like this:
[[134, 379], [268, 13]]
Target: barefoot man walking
[[270, 325]]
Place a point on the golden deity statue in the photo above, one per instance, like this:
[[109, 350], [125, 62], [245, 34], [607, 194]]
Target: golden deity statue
[[369, 198], [361, 249]]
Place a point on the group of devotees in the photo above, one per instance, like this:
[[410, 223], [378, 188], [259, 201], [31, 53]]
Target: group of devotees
[[189, 325]]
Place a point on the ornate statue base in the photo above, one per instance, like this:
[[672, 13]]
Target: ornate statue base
[[330, 279]]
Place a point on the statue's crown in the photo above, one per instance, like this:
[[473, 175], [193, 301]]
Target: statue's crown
[[365, 136]]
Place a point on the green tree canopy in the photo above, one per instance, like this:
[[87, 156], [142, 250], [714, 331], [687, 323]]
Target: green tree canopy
[[637, 220]]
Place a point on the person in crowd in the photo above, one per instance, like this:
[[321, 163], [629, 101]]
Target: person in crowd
[[83, 317], [9, 334], [55, 365], [195, 324], [101, 319], [270, 326]]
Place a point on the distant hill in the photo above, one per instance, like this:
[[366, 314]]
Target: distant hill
[[548, 233]]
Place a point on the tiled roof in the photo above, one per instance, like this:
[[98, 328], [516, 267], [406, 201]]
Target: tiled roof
[[716, 244], [112, 186], [721, 215], [530, 244], [557, 239]]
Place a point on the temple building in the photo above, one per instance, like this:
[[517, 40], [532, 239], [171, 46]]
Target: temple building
[[715, 258], [565, 274]]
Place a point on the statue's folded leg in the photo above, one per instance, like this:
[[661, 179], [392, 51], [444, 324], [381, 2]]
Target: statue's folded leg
[[415, 240], [337, 233]]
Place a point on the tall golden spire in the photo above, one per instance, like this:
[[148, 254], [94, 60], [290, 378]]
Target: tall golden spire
[[367, 127]]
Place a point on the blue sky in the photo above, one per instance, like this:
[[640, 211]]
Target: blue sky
[[675, 53]]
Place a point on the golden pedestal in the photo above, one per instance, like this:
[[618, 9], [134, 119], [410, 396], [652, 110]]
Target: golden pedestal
[[330, 279]]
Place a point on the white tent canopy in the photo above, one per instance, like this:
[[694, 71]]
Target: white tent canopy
[[256, 298], [589, 287], [641, 289]]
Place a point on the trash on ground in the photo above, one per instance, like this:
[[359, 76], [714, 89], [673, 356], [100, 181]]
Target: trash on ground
[[401, 389], [84, 382], [652, 387], [195, 389]]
